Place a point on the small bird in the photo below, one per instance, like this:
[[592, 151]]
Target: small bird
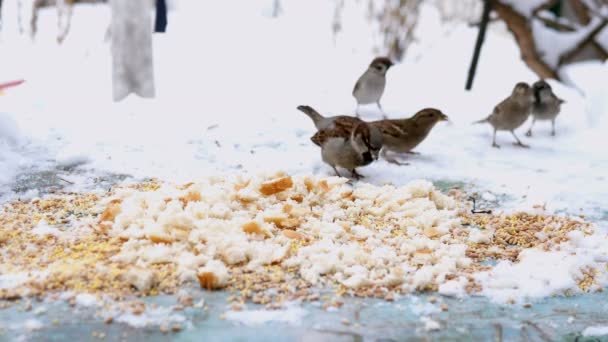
[[512, 112], [403, 135], [546, 105], [345, 141], [370, 86]]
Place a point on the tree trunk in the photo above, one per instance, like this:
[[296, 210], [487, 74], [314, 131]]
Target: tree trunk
[[518, 25], [132, 67]]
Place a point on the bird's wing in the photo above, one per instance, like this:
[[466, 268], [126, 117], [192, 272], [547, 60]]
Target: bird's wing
[[342, 127], [388, 127], [318, 138], [502, 108]]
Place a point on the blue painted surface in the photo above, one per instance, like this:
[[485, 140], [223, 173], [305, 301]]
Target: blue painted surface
[[470, 319]]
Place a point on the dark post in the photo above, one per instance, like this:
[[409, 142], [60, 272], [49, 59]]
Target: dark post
[[485, 17], [160, 22]]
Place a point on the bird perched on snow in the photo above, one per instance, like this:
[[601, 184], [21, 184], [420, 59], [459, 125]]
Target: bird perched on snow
[[345, 141], [403, 135], [370, 86], [546, 105], [512, 112]]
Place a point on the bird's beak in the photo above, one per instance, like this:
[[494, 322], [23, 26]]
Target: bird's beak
[[444, 117]]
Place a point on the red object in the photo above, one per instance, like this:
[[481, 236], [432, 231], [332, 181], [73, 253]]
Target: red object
[[10, 84]]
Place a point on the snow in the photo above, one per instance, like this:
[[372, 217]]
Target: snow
[[86, 300], [538, 274], [226, 105], [292, 315], [525, 7], [152, 316], [453, 288], [430, 324], [42, 229], [10, 141], [32, 324], [596, 331], [9, 281]]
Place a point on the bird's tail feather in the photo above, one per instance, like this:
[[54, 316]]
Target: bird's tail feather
[[312, 113], [482, 121]]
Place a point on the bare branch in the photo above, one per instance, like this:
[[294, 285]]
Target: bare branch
[[554, 24], [518, 25], [581, 11], [600, 49], [567, 56]]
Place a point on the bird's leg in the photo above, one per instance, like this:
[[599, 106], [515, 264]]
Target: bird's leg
[[553, 127], [356, 175], [494, 144], [382, 110], [336, 171], [529, 132], [390, 159], [518, 143]]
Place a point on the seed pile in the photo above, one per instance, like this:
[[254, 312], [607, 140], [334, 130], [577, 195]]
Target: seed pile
[[267, 240], [505, 236]]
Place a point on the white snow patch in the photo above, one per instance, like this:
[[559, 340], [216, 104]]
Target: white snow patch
[[536, 274], [86, 300], [525, 7], [430, 324], [454, 288], [152, 316], [292, 315], [33, 324], [596, 331], [42, 229], [13, 280]]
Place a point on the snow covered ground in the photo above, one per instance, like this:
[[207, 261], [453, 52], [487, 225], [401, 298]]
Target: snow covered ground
[[229, 82], [227, 95]]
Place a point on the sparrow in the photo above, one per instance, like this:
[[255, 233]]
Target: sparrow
[[345, 141], [403, 135], [512, 112], [546, 105], [370, 86]]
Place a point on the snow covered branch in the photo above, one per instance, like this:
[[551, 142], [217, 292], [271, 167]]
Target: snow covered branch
[[553, 33]]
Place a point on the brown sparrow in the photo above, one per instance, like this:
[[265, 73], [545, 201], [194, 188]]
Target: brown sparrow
[[370, 86], [546, 105], [512, 112], [345, 141], [403, 135]]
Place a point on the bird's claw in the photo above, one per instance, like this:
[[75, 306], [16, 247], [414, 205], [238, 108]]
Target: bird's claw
[[495, 145], [529, 133], [520, 144], [356, 175]]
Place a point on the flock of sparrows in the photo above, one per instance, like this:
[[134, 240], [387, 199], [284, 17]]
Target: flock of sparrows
[[349, 142]]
